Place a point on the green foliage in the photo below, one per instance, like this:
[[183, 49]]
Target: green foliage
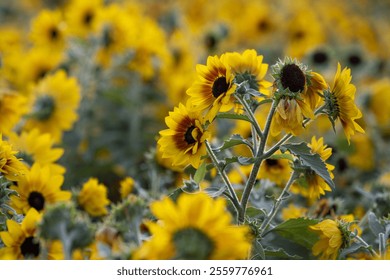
[[297, 230], [309, 160]]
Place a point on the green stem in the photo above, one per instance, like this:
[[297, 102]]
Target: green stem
[[233, 196], [256, 166], [366, 246], [251, 116], [278, 203]]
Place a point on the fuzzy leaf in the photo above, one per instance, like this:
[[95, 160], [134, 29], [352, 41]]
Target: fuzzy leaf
[[253, 212], [200, 173], [233, 116], [280, 254], [313, 161], [297, 230], [240, 160], [215, 191], [282, 156], [257, 251], [234, 140], [374, 224]]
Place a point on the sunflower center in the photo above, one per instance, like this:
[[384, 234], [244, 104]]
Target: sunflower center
[[36, 200], [293, 78], [263, 25], [320, 57], [271, 162], [44, 107], [54, 33], [220, 86], [188, 135], [192, 244], [299, 35], [354, 60], [30, 247], [88, 17]]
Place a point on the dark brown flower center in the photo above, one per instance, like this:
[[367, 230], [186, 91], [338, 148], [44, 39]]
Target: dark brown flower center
[[320, 57], [263, 25], [188, 135], [293, 78], [272, 162], [88, 17], [30, 247], [354, 60], [36, 200], [220, 86], [54, 34]]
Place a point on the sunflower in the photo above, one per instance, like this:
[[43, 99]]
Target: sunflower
[[312, 185], [363, 148], [317, 85], [10, 166], [37, 189], [277, 171], [196, 227], [35, 147], [48, 30], [20, 240], [36, 65], [332, 239], [12, 108], [82, 17], [183, 141], [249, 66], [340, 103], [379, 103], [54, 103], [126, 187], [93, 198], [291, 84], [293, 212], [214, 88], [118, 31]]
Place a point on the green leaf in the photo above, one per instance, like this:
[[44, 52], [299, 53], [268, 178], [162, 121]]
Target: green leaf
[[215, 191], [280, 254], [257, 251], [253, 212], [282, 156], [313, 161], [234, 140], [200, 173], [375, 226], [240, 160], [297, 231], [233, 116]]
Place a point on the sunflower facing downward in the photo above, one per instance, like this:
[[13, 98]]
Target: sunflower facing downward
[[184, 140], [196, 227], [214, 88], [339, 101]]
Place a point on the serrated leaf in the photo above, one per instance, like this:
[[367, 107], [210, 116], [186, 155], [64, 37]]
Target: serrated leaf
[[308, 159], [234, 140], [280, 254], [374, 225], [257, 251], [297, 231], [200, 173], [233, 116]]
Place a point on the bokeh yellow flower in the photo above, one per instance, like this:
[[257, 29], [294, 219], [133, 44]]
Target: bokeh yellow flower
[[93, 198]]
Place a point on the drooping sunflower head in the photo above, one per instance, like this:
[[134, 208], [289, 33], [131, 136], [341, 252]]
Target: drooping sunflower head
[[49, 30], [20, 240], [334, 236], [214, 88], [184, 139], [196, 227], [249, 67], [37, 189], [340, 103]]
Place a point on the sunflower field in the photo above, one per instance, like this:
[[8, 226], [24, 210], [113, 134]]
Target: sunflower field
[[226, 129]]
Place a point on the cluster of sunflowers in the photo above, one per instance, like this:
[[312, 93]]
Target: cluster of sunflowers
[[251, 163]]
